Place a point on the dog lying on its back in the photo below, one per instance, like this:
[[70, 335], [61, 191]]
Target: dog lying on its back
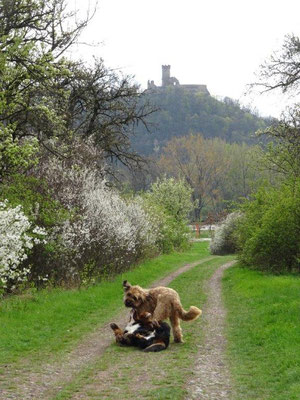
[[162, 303], [143, 333]]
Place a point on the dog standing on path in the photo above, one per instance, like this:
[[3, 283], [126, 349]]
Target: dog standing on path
[[162, 303]]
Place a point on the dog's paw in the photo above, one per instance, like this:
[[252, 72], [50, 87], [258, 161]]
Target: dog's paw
[[178, 340], [155, 323], [139, 336], [114, 326]]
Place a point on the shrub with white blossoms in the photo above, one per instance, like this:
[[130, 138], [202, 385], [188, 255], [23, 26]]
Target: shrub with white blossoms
[[17, 238], [224, 240], [108, 231]]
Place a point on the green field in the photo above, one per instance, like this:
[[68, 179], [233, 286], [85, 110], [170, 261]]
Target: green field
[[42, 323], [263, 331], [263, 334]]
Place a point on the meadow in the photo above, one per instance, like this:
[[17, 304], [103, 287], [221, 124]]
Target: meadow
[[40, 323], [263, 332]]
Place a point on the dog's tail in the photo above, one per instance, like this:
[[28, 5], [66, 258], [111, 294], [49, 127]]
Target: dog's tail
[[193, 313]]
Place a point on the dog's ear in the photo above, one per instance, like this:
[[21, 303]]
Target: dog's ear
[[126, 285]]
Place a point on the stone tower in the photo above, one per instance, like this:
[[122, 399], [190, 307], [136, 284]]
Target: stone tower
[[168, 80], [165, 75]]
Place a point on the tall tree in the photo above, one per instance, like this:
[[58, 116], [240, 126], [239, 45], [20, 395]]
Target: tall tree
[[48, 100], [218, 172], [282, 72], [33, 37], [282, 154], [201, 163]]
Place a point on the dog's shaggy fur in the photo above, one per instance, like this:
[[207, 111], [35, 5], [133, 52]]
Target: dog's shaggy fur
[[143, 333], [162, 303]]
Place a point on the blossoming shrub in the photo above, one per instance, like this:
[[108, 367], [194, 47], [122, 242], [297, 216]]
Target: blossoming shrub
[[17, 238], [224, 240], [91, 229], [109, 234], [43, 209], [104, 233]]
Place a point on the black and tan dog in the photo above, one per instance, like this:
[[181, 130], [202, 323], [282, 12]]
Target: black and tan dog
[[144, 333], [162, 303]]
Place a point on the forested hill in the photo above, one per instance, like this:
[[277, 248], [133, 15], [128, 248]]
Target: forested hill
[[183, 111]]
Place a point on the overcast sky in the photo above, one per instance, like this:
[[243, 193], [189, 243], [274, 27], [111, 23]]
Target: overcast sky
[[220, 43]]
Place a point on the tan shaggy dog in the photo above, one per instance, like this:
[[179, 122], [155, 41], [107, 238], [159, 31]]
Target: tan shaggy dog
[[162, 303]]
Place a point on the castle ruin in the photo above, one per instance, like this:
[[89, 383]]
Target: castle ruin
[[168, 80]]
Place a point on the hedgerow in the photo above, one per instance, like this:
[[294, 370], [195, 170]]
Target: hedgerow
[[269, 235], [92, 231]]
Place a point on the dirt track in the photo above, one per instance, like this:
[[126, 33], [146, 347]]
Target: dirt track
[[211, 379], [28, 383]]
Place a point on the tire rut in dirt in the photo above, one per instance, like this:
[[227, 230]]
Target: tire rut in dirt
[[211, 379]]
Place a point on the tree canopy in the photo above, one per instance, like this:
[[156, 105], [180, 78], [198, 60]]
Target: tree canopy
[[47, 100], [282, 72]]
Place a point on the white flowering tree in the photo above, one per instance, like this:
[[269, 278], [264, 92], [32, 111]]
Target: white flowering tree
[[17, 238]]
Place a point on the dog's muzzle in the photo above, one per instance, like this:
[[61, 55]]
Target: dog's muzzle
[[128, 303]]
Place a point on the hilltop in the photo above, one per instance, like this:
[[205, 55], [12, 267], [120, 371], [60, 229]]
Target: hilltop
[[183, 111]]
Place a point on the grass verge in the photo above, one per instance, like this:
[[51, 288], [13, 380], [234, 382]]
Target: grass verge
[[127, 373], [263, 334], [48, 322]]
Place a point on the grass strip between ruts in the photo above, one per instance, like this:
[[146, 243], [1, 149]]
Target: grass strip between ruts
[[128, 373], [263, 331], [45, 323]]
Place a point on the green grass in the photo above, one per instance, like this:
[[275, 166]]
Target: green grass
[[205, 234], [263, 334], [146, 375], [51, 321]]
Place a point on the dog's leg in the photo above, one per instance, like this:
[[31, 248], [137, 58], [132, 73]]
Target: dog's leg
[[119, 334], [177, 332], [161, 311], [117, 331]]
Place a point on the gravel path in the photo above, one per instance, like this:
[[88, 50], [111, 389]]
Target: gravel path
[[211, 379], [27, 383]]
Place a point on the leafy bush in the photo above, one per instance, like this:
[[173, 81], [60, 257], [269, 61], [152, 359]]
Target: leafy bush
[[270, 232], [17, 237], [169, 203], [36, 199], [224, 240]]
